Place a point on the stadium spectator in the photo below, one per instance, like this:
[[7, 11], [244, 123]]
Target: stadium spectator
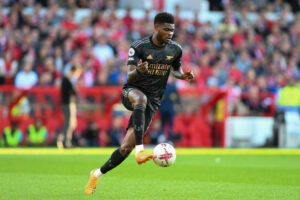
[[289, 96], [235, 105], [37, 133], [8, 69], [49, 67], [88, 74], [243, 61], [127, 19], [119, 75], [22, 108], [228, 24], [12, 135], [101, 78], [256, 105], [91, 134], [18, 20], [155, 134], [26, 78], [115, 132], [167, 109], [102, 50]]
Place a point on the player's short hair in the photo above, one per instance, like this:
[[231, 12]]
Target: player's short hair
[[164, 17], [73, 68]]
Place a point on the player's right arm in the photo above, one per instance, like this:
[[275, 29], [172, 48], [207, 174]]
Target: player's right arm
[[135, 66]]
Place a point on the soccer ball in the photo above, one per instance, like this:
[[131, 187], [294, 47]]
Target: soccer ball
[[164, 155]]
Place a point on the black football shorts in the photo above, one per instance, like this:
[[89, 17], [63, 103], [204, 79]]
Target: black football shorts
[[149, 113]]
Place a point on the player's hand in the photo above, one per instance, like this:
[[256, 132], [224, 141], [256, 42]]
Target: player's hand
[[142, 67], [188, 76]]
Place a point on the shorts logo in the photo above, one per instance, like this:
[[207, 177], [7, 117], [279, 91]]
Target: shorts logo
[[169, 57], [149, 57], [131, 52], [125, 93]]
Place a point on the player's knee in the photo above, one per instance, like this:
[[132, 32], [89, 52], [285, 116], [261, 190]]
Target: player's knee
[[141, 99]]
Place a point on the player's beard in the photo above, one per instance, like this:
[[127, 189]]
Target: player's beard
[[161, 40]]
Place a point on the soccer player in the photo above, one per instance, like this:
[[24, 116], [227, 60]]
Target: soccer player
[[150, 61]]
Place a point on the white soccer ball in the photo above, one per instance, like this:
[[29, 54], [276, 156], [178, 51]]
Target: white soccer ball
[[164, 155]]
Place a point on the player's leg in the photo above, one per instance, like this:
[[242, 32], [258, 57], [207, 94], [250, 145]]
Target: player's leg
[[61, 136], [121, 153], [138, 101], [72, 124], [143, 156], [128, 143], [117, 157]]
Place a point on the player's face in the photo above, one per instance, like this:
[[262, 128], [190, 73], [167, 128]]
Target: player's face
[[165, 32], [77, 73]]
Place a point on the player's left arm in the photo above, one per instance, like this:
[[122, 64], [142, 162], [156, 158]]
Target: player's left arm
[[178, 72]]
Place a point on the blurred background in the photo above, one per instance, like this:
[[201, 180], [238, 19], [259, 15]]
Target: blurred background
[[245, 56]]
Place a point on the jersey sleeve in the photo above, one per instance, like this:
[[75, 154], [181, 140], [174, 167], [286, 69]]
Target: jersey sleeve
[[133, 56], [177, 62]]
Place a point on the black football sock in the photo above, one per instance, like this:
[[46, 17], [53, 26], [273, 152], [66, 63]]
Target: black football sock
[[139, 123], [116, 158]]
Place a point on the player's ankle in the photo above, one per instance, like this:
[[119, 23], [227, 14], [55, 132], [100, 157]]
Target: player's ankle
[[98, 173], [138, 148]]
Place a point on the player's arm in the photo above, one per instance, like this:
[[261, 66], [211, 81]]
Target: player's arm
[[135, 71], [135, 66], [178, 72]]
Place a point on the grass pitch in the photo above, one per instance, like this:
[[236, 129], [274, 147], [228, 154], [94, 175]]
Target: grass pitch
[[204, 174]]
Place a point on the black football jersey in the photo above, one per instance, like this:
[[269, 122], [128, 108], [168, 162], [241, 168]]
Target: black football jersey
[[160, 60], [67, 90]]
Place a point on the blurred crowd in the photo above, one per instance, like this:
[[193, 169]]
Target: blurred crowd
[[40, 42], [239, 51]]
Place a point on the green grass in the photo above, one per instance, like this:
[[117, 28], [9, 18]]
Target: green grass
[[204, 174]]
